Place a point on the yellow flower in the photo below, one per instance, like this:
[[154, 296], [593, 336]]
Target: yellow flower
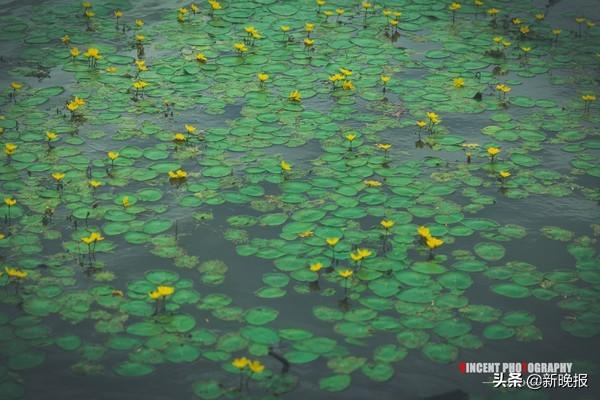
[[118, 13], [497, 39], [421, 123], [383, 146], [316, 267], [111, 69], [93, 52], [15, 273], [524, 29], [194, 8], [332, 241], [493, 151], [458, 82], [79, 101], [179, 174], [285, 166], [364, 253], [87, 240], [340, 11], [65, 39], [182, 10], [504, 174], [10, 148], [58, 176], [262, 77], [588, 98], [72, 106], [139, 23], [372, 183], [556, 31], [433, 117], [306, 234], [308, 42], [492, 11], [256, 367], [478, 3], [539, 17], [320, 3], [350, 137], [295, 96], [113, 155], [86, 4], [201, 58], [250, 29], [309, 27], [190, 128], [516, 21], [179, 137], [433, 242], [580, 20], [165, 290], [214, 5], [2, 236], [16, 86], [506, 43], [346, 72], [424, 232], [526, 49], [241, 47], [89, 13], [74, 52], [385, 78], [356, 257], [140, 38], [96, 237], [138, 85], [348, 85], [284, 28], [125, 201], [366, 5], [503, 88], [141, 65], [336, 77], [51, 136], [94, 184], [346, 273], [154, 295], [454, 6], [387, 223], [240, 363], [9, 201]]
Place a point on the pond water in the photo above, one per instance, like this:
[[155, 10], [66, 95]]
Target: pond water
[[508, 270]]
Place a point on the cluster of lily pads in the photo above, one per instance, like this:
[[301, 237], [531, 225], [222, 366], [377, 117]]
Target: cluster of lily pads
[[361, 156]]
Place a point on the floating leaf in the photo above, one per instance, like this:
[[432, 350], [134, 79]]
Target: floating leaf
[[335, 383], [490, 251]]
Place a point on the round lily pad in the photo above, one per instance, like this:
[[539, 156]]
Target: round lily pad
[[490, 251]]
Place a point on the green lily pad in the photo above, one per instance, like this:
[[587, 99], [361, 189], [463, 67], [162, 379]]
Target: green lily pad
[[490, 251]]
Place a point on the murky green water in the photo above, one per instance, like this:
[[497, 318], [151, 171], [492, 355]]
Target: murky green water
[[516, 278]]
